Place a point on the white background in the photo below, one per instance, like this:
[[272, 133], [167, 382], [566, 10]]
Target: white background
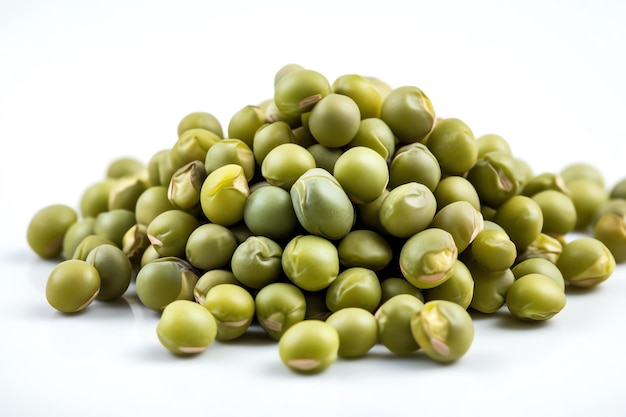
[[84, 82]]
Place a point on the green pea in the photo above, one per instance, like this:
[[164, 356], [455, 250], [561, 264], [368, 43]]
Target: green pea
[[186, 328], [201, 120], [362, 91], [48, 227], [79, 230], [582, 170], [88, 244], [610, 229], [268, 137], [72, 286], [125, 192], [209, 280], [364, 248], [558, 210], [357, 329], [210, 246], [164, 280], [354, 287], [414, 163], [185, 187], [496, 176], [114, 269], [586, 262], [407, 209], [324, 156], [224, 194], [309, 346], [492, 142], [244, 124], [453, 144], [409, 113], [279, 306], [493, 249], [394, 323], [535, 297], [539, 266], [114, 224], [444, 330], [334, 120], [298, 91], [459, 288], [428, 258], [587, 195], [152, 202], [490, 288], [269, 212], [125, 167], [544, 246], [321, 205], [373, 133], [284, 164], [543, 182], [461, 220], [95, 198], [392, 286], [456, 188], [191, 145], [134, 244], [522, 219], [362, 173], [618, 191], [232, 306], [256, 262], [169, 232], [310, 262]]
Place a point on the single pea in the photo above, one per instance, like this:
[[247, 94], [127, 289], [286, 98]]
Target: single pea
[[210, 246], [364, 248], [79, 230], [493, 249], [543, 182], [48, 227], [165, 280], [362, 173], [273, 115], [200, 119], [452, 142], [407, 209], [268, 137], [444, 330], [256, 262], [324, 156], [586, 262], [134, 244], [114, 224], [535, 297], [321, 205], [615, 206], [169, 232], [587, 195], [244, 124], [544, 246], [582, 170], [185, 185], [309, 346], [148, 255], [610, 229], [95, 198], [456, 188], [269, 212], [154, 167], [558, 210], [414, 163], [539, 266], [393, 286], [409, 113], [618, 191], [126, 166], [279, 306], [88, 244], [428, 258], [362, 91], [285, 163], [357, 329], [354, 287], [310, 262], [286, 69], [114, 269], [232, 306], [461, 220], [490, 288], [492, 142], [334, 120], [186, 328], [191, 145], [209, 280], [394, 323], [166, 165], [72, 285], [373, 133], [496, 176], [368, 215], [522, 219], [298, 91], [224, 194], [125, 192], [152, 202], [459, 288]]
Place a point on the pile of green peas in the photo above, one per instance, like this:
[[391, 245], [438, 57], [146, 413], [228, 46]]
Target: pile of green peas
[[335, 216]]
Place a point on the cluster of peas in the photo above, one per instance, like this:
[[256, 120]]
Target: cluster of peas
[[335, 216]]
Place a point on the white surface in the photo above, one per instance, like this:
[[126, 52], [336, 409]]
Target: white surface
[[84, 82]]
